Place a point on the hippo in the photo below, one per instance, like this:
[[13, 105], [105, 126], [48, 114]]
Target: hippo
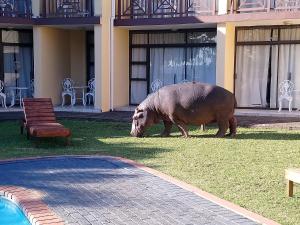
[[183, 104]]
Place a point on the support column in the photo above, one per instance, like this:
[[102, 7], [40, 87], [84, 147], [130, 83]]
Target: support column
[[51, 61], [120, 68], [225, 56], [102, 58]]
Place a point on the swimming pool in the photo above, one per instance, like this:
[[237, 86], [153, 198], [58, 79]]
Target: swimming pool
[[11, 214]]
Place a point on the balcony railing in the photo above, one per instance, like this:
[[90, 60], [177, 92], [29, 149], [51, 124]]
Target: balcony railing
[[135, 9], [67, 8], [264, 5], [15, 8]]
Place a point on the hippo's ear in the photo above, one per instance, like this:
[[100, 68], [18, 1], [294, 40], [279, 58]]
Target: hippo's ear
[[138, 115]]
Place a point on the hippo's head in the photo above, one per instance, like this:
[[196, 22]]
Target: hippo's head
[[141, 120]]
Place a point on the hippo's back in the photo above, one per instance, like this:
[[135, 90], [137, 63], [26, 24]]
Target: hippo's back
[[196, 102]]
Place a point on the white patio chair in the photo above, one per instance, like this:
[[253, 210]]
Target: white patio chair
[[156, 85], [286, 89], [91, 93], [68, 90], [2, 95]]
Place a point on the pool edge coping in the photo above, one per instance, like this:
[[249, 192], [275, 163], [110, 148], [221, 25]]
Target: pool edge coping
[[188, 187], [30, 203]]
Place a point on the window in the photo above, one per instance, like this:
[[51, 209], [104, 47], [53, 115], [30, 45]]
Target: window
[[171, 57]]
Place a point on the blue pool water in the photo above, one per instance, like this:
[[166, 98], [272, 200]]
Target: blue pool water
[[11, 214]]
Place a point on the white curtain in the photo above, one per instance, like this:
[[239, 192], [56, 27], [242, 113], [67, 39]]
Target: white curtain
[[201, 65], [138, 91], [252, 65], [167, 65], [138, 88], [139, 55], [252, 75], [25, 69], [170, 65], [139, 39], [288, 63]]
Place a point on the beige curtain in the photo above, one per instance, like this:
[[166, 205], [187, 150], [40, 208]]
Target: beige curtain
[[288, 62], [252, 63]]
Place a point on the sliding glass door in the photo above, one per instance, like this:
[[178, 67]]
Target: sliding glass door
[[170, 57], [265, 58], [17, 66], [17, 58]]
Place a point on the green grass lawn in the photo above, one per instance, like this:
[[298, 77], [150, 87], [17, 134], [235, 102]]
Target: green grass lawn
[[247, 170]]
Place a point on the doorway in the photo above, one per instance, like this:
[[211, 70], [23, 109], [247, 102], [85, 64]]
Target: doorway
[[265, 57]]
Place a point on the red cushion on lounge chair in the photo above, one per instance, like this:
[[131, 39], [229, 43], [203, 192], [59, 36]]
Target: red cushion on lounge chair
[[40, 120], [49, 131]]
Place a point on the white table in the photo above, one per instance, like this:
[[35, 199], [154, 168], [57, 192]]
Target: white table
[[19, 90], [82, 88]]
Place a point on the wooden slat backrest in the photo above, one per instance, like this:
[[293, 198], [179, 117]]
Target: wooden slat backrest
[[38, 110]]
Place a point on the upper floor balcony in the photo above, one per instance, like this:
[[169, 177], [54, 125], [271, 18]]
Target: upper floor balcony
[[66, 8], [63, 12], [15, 9], [160, 12], [141, 9], [246, 6]]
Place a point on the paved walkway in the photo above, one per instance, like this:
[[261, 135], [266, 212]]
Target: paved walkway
[[102, 190]]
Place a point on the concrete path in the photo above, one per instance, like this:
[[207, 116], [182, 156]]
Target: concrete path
[[103, 190]]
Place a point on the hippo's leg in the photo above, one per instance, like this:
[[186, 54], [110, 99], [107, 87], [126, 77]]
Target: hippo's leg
[[232, 126], [223, 127], [167, 130], [183, 129]]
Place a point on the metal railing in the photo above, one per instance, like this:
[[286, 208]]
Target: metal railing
[[135, 9], [15, 8], [264, 5], [67, 8]]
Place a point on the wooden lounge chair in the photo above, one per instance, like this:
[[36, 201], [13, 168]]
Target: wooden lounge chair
[[40, 121]]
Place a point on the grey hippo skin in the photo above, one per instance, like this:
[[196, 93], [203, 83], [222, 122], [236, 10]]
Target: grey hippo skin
[[186, 104]]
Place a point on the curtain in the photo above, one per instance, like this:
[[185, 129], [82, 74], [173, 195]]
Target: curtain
[[25, 69], [18, 67], [167, 65], [170, 64], [252, 75], [138, 91], [201, 65], [139, 39], [252, 68], [288, 65], [138, 88], [10, 54]]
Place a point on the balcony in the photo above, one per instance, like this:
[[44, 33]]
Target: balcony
[[67, 8], [15, 9], [245, 6], [161, 9]]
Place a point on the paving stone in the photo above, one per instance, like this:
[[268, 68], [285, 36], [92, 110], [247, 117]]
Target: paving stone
[[99, 190]]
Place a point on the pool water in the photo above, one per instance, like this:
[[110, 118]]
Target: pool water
[[11, 214]]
